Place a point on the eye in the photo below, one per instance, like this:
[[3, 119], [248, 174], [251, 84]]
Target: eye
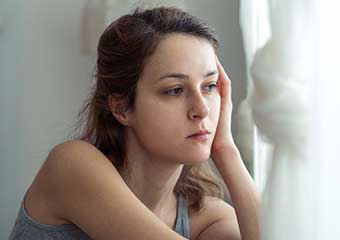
[[174, 92], [212, 87]]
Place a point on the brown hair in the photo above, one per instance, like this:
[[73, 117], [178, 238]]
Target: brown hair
[[122, 51]]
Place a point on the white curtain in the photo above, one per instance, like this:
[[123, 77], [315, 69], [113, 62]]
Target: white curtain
[[294, 102]]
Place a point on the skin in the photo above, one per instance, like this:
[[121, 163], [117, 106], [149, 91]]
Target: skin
[[71, 187], [157, 164], [185, 103]]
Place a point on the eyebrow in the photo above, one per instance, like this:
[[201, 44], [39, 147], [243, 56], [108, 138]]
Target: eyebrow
[[184, 76]]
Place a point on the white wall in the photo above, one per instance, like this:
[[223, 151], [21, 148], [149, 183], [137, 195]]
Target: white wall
[[44, 78]]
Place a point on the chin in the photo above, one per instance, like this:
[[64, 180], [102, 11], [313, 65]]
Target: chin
[[197, 158]]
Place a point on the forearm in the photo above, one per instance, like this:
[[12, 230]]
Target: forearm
[[242, 189]]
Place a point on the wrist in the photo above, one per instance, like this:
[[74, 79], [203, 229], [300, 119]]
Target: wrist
[[225, 149], [226, 155]]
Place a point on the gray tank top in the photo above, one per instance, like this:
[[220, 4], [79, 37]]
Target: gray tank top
[[26, 228]]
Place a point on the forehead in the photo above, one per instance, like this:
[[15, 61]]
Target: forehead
[[180, 53]]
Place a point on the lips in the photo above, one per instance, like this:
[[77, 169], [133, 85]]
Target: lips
[[200, 133]]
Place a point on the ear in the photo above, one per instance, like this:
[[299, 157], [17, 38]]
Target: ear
[[118, 107]]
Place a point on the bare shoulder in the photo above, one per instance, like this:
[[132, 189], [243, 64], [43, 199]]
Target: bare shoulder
[[83, 187], [74, 158], [72, 151], [72, 164], [69, 161], [216, 220], [63, 164]]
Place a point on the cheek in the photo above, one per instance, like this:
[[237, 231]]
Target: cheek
[[155, 119], [159, 131]]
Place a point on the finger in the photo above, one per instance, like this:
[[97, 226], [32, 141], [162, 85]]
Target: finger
[[224, 83], [222, 71]]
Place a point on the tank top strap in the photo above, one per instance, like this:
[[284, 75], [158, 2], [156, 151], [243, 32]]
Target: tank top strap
[[182, 221]]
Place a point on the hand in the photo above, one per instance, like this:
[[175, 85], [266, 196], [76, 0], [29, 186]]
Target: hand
[[223, 137]]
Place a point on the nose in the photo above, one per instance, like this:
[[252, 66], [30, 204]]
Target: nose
[[198, 107]]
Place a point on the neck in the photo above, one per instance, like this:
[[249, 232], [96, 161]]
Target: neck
[[151, 179]]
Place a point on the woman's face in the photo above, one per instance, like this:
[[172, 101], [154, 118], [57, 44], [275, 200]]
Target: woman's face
[[176, 97]]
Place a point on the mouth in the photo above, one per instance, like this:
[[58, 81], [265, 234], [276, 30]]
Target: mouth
[[200, 136]]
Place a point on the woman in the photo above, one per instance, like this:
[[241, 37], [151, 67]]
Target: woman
[[160, 108]]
